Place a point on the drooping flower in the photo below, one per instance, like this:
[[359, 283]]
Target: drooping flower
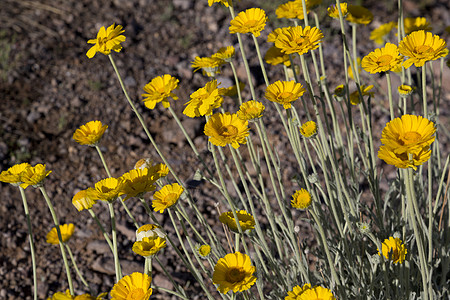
[[301, 199], [234, 272], [226, 3], [224, 129], [107, 40], [420, 47], [225, 53], [358, 15], [365, 91], [159, 89], [405, 90], [284, 92], [203, 101], [149, 246], [90, 133], [393, 248], [34, 176], [298, 39], [250, 110], [203, 250], [382, 59], [134, 286], [210, 66], [166, 197], [149, 231], [404, 160], [85, 199], [415, 24], [378, 35], [308, 129], [109, 189], [252, 20], [246, 220], [275, 56], [13, 174], [67, 231], [333, 10]]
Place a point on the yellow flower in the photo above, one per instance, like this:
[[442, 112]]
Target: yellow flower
[[231, 90], [149, 246], [225, 53], [226, 3], [149, 231], [166, 197], [334, 12], [395, 249], [301, 199], [224, 129], [382, 59], [339, 90], [298, 39], [404, 160], [420, 47], [308, 129], [350, 70], [272, 37], [90, 133], [316, 292], [34, 176], [246, 220], [157, 171], [365, 91], [252, 20], [85, 199], [210, 66], [203, 250], [109, 189], [250, 110], [159, 89], [68, 296], [137, 182], [415, 24], [135, 286], [67, 231], [405, 90], [203, 101], [359, 15], [13, 175], [107, 40], [274, 57], [294, 9], [284, 92], [379, 34], [234, 272], [297, 291]]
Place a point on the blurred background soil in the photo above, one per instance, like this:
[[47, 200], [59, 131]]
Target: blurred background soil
[[49, 88]]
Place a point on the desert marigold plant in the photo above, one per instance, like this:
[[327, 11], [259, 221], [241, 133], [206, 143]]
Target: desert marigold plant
[[250, 110], [159, 90], [204, 100], [166, 197], [382, 59], [226, 128], [134, 286], [246, 220], [394, 249], [284, 92], [107, 40], [34, 176], [420, 47], [149, 246], [298, 39], [67, 231], [14, 174], [252, 20], [90, 133]]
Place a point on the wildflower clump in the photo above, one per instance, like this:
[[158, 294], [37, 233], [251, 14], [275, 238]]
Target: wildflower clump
[[227, 128], [159, 90], [234, 272], [134, 286], [393, 248], [107, 40]]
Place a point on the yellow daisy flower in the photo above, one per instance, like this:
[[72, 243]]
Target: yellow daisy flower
[[134, 286], [156, 171], [67, 231], [301, 199], [203, 101], [308, 129], [379, 34], [225, 53], [294, 9], [275, 56], [224, 129], [231, 90], [203, 250], [420, 47], [365, 91], [68, 296], [415, 24], [358, 15], [107, 40], [252, 20], [149, 231], [250, 110], [339, 90], [90, 133], [272, 37], [404, 160], [149, 246], [13, 175], [334, 12], [226, 3], [382, 59], [246, 220], [159, 89], [166, 197], [298, 39], [85, 199], [297, 291], [284, 92], [109, 189], [137, 182], [234, 272], [405, 90], [316, 292], [34, 176], [395, 249], [210, 66]]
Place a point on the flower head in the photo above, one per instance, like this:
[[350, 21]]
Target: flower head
[[225, 54], [405, 90], [156, 171], [234, 272], [85, 199], [294, 9], [109, 189], [365, 91], [210, 66], [252, 20], [231, 90], [159, 89], [298, 39], [333, 10], [308, 129], [393, 248], [203, 101], [34, 176], [226, 3], [134, 286], [246, 220], [275, 56], [272, 37], [203, 250], [250, 110], [107, 40], [359, 15], [317, 292], [68, 296], [297, 291], [382, 59], [137, 182], [149, 246], [301, 199], [226, 128], [149, 230], [284, 92], [67, 231], [415, 24], [166, 197], [90, 133], [13, 175], [420, 47], [379, 34]]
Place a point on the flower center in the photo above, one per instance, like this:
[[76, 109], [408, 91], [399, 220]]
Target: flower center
[[171, 198], [285, 95], [410, 137], [136, 294], [251, 23], [423, 49], [228, 131], [235, 275], [384, 60]]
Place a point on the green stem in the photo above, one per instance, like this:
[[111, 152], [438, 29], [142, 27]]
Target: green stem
[[391, 106], [261, 61], [114, 237], [424, 91], [76, 268], [181, 292], [105, 235]]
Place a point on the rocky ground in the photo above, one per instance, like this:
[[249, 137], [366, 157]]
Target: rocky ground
[[49, 88]]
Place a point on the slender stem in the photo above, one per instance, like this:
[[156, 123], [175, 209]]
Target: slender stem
[[177, 287], [76, 268], [114, 237], [261, 61], [391, 106], [105, 235], [424, 90]]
